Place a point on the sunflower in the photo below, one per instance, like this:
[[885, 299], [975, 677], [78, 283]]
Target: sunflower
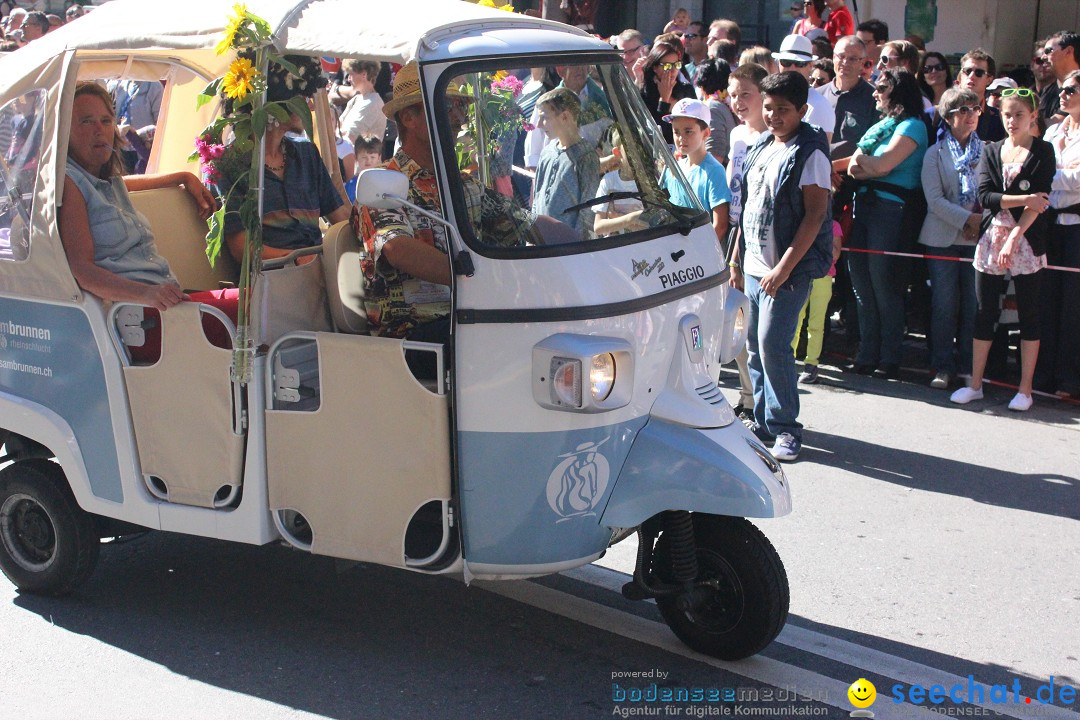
[[508, 7], [240, 79], [232, 28]]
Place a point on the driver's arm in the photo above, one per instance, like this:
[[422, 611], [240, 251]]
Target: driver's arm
[[417, 258]]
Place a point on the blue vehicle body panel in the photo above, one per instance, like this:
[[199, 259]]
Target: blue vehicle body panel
[[48, 355], [675, 467], [538, 496]]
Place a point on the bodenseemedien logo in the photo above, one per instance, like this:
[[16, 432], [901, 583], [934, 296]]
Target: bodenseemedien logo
[[862, 695]]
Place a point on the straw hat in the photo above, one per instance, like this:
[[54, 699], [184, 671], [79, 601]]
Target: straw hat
[[407, 90]]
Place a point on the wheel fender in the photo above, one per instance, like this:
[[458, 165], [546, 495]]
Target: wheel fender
[[42, 425], [722, 471]]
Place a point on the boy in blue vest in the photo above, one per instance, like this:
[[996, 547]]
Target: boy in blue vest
[[786, 243]]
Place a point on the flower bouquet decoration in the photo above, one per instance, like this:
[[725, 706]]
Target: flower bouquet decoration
[[247, 112]]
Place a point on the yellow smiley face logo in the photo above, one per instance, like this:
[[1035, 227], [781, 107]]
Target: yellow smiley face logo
[[862, 693]]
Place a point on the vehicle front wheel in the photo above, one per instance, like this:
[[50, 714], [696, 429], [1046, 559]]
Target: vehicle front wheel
[[740, 600], [48, 544]]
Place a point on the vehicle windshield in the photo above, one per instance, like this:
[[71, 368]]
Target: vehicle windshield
[[570, 160]]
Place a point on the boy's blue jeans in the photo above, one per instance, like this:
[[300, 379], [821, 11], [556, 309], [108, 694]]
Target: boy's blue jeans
[[772, 364]]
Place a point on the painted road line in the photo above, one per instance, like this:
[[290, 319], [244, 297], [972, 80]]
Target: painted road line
[[844, 651], [762, 669]]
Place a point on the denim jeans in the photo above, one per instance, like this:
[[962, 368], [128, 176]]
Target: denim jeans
[[876, 280], [772, 364], [952, 308]]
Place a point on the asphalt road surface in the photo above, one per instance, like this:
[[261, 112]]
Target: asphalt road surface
[[928, 543]]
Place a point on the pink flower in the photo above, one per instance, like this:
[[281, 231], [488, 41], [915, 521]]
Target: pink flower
[[528, 126]]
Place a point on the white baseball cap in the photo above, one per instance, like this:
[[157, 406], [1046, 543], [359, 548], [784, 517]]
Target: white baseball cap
[[797, 48], [1001, 83], [690, 108]]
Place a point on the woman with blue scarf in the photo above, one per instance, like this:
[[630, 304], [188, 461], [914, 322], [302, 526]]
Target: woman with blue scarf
[[950, 180]]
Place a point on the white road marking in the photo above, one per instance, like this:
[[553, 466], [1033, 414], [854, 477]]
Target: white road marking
[[781, 674]]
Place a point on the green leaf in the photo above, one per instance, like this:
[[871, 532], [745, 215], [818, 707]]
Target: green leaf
[[193, 156], [213, 87], [258, 122], [297, 105], [216, 225], [243, 143], [287, 65], [261, 26], [278, 110]]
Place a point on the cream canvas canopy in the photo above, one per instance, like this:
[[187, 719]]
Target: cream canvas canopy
[[175, 40]]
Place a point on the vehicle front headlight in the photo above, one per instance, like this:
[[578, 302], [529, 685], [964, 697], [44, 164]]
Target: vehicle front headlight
[[559, 364], [602, 376]]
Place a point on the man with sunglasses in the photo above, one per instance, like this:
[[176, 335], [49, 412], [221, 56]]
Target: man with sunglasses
[[977, 70], [1045, 80], [797, 54], [631, 45], [693, 41], [1062, 50], [874, 33]]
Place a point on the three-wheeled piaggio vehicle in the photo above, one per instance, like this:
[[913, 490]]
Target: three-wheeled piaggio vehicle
[[576, 404]]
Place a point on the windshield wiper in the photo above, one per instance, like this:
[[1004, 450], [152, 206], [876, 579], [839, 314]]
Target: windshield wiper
[[618, 195]]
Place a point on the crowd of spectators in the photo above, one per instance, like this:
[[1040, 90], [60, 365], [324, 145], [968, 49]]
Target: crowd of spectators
[[974, 171], [914, 155], [20, 26]]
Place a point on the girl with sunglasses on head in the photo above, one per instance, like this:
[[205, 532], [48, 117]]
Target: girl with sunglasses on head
[[1058, 367], [934, 76], [1015, 179], [664, 83]]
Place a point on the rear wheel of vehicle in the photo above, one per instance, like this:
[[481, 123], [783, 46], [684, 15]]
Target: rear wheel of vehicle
[[48, 544], [745, 603]]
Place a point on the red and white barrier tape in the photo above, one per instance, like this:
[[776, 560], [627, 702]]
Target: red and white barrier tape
[[941, 257]]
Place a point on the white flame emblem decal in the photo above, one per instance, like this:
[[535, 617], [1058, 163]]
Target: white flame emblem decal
[[577, 484]]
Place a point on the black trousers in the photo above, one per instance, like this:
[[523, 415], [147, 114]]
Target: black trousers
[[1059, 355], [423, 364], [988, 292]]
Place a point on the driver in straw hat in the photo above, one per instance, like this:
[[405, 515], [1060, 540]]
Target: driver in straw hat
[[407, 273]]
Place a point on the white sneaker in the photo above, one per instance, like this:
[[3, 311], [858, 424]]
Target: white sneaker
[[786, 448], [1021, 403], [965, 395], [941, 381]]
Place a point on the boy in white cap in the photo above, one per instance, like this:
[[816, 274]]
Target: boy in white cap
[[690, 125], [797, 54]]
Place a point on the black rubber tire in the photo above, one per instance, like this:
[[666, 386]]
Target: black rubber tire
[[48, 544], [751, 607]]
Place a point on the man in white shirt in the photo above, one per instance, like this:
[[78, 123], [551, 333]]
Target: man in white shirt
[[797, 54]]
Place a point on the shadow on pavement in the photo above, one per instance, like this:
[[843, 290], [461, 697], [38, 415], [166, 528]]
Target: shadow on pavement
[[1049, 494], [367, 642]]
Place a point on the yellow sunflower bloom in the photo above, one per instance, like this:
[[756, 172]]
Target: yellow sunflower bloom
[[508, 7], [240, 79], [486, 3], [233, 27]]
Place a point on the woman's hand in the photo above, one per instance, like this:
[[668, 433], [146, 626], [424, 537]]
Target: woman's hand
[[161, 297], [1037, 202], [204, 199], [972, 225], [1008, 250], [666, 83]]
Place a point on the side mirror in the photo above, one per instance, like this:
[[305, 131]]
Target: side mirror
[[383, 189]]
